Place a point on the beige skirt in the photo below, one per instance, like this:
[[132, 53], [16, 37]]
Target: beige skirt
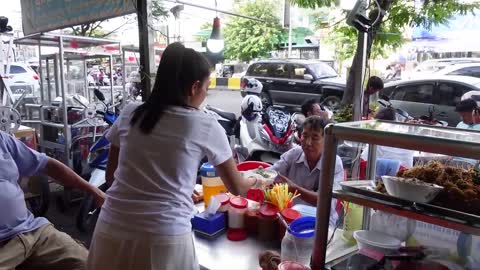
[[113, 248]]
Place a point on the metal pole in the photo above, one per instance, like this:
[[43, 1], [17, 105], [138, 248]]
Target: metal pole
[[110, 58], [371, 173], [124, 78], [147, 57], [359, 77], [40, 71], [85, 71], [324, 200], [213, 9], [289, 31], [66, 133]]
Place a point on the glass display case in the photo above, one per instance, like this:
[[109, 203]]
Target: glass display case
[[431, 139]]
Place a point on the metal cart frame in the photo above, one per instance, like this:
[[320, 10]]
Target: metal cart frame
[[441, 140], [64, 43]]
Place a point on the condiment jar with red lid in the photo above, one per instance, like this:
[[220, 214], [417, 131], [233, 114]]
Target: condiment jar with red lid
[[236, 212], [289, 215], [267, 222]]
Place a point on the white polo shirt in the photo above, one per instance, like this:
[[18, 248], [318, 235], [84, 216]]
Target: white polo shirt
[[157, 172]]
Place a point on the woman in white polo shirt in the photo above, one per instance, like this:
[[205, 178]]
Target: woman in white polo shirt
[[152, 167]]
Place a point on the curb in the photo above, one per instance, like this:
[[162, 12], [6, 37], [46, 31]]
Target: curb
[[225, 83]]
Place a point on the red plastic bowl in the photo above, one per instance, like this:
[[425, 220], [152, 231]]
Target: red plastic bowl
[[251, 165]]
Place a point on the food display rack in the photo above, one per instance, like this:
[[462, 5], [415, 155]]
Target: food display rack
[[440, 140]]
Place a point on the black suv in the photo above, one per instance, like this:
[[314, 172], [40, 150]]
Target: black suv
[[290, 82]]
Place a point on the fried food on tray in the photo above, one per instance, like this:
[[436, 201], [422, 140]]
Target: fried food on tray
[[461, 187]]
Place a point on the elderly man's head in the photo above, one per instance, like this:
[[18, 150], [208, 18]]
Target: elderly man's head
[[466, 108], [313, 107], [312, 137]]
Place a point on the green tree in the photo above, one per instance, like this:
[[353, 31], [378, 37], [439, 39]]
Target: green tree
[[95, 29], [398, 15], [247, 39]]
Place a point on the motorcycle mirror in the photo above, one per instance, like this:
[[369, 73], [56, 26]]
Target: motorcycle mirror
[[403, 113], [99, 95]]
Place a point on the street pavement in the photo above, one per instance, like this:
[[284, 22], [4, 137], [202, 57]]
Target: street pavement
[[65, 221]]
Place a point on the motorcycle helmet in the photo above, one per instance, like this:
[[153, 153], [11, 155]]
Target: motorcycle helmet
[[251, 106], [253, 86]]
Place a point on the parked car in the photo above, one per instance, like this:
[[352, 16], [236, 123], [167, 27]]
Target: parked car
[[438, 93], [435, 65], [470, 69], [23, 78], [289, 82]]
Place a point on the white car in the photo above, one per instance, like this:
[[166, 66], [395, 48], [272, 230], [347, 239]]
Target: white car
[[23, 78], [439, 94], [435, 65], [470, 69]]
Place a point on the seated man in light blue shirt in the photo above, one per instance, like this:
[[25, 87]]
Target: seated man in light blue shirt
[[27, 242], [300, 167]]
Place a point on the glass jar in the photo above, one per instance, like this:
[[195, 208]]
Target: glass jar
[[267, 222], [236, 213], [289, 215], [211, 182]]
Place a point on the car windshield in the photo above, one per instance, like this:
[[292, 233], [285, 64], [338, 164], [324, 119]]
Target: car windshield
[[322, 70]]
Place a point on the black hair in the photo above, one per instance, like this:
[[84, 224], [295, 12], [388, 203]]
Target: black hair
[[375, 83], [316, 123], [179, 69], [467, 105], [388, 114], [307, 105]]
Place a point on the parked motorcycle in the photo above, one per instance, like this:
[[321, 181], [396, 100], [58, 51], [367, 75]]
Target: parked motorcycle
[[403, 116], [97, 160]]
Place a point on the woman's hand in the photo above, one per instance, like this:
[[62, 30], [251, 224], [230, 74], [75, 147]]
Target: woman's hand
[[196, 196], [99, 197]]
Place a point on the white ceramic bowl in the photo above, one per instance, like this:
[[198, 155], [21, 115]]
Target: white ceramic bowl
[[411, 189], [376, 240]]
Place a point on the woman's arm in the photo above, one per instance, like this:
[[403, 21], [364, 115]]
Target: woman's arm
[[232, 179], [69, 178], [112, 164]]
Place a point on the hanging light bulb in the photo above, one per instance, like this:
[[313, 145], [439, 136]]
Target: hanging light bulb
[[215, 43]]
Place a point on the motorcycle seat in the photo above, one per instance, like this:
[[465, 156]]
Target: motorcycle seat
[[227, 115]]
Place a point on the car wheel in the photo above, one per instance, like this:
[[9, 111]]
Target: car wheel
[[332, 102], [266, 99]]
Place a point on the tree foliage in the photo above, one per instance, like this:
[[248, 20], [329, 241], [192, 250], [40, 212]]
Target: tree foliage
[[399, 14], [247, 39], [95, 29]]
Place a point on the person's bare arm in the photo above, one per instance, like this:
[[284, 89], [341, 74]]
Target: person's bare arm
[[305, 194], [232, 178], [112, 164], [69, 178]]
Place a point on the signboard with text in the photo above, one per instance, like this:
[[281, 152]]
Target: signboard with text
[[47, 15]]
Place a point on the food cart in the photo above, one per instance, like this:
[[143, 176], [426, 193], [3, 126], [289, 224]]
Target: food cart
[[447, 141], [58, 122]]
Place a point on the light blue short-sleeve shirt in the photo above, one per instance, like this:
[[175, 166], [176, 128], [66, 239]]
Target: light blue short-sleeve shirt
[[16, 160], [293, 164]]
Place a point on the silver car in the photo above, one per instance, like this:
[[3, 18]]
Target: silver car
[[438, 93]]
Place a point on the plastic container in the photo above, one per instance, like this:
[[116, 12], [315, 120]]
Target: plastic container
[[224, 200], [352, 222], [297, 244], [377, 241], [212, 183], [289, 215], [267, 222], [236, 213], [288, 265]]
